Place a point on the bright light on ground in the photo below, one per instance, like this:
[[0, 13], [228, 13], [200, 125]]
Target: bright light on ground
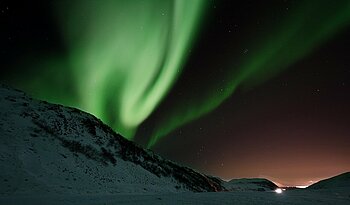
[[278, 191]]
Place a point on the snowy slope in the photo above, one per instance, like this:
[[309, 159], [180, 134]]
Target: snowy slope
[[52, 149], [253, 184], [341, 181]]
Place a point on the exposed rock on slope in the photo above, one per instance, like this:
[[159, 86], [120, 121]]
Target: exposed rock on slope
[[48, 148]]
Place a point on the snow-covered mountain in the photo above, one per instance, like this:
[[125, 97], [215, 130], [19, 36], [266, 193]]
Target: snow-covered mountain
[[251, 184], [49, 148], [341, 181], [51, 154]]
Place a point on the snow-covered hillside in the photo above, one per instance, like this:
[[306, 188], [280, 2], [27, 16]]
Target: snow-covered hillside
[[253, 184], [47, 148]]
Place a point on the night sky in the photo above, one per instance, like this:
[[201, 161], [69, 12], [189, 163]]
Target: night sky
[[230, 88]]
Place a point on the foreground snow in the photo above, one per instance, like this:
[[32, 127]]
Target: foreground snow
[[239, 197]]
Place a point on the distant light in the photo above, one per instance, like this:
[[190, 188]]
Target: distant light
[[301, 187], [278, 191]]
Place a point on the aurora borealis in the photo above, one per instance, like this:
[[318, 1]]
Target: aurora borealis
[[292, 39], [154, 70], [130, 52]]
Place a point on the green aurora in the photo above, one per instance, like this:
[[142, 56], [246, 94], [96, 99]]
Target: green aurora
[[130, 54], [125, 56], [304, 29]]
